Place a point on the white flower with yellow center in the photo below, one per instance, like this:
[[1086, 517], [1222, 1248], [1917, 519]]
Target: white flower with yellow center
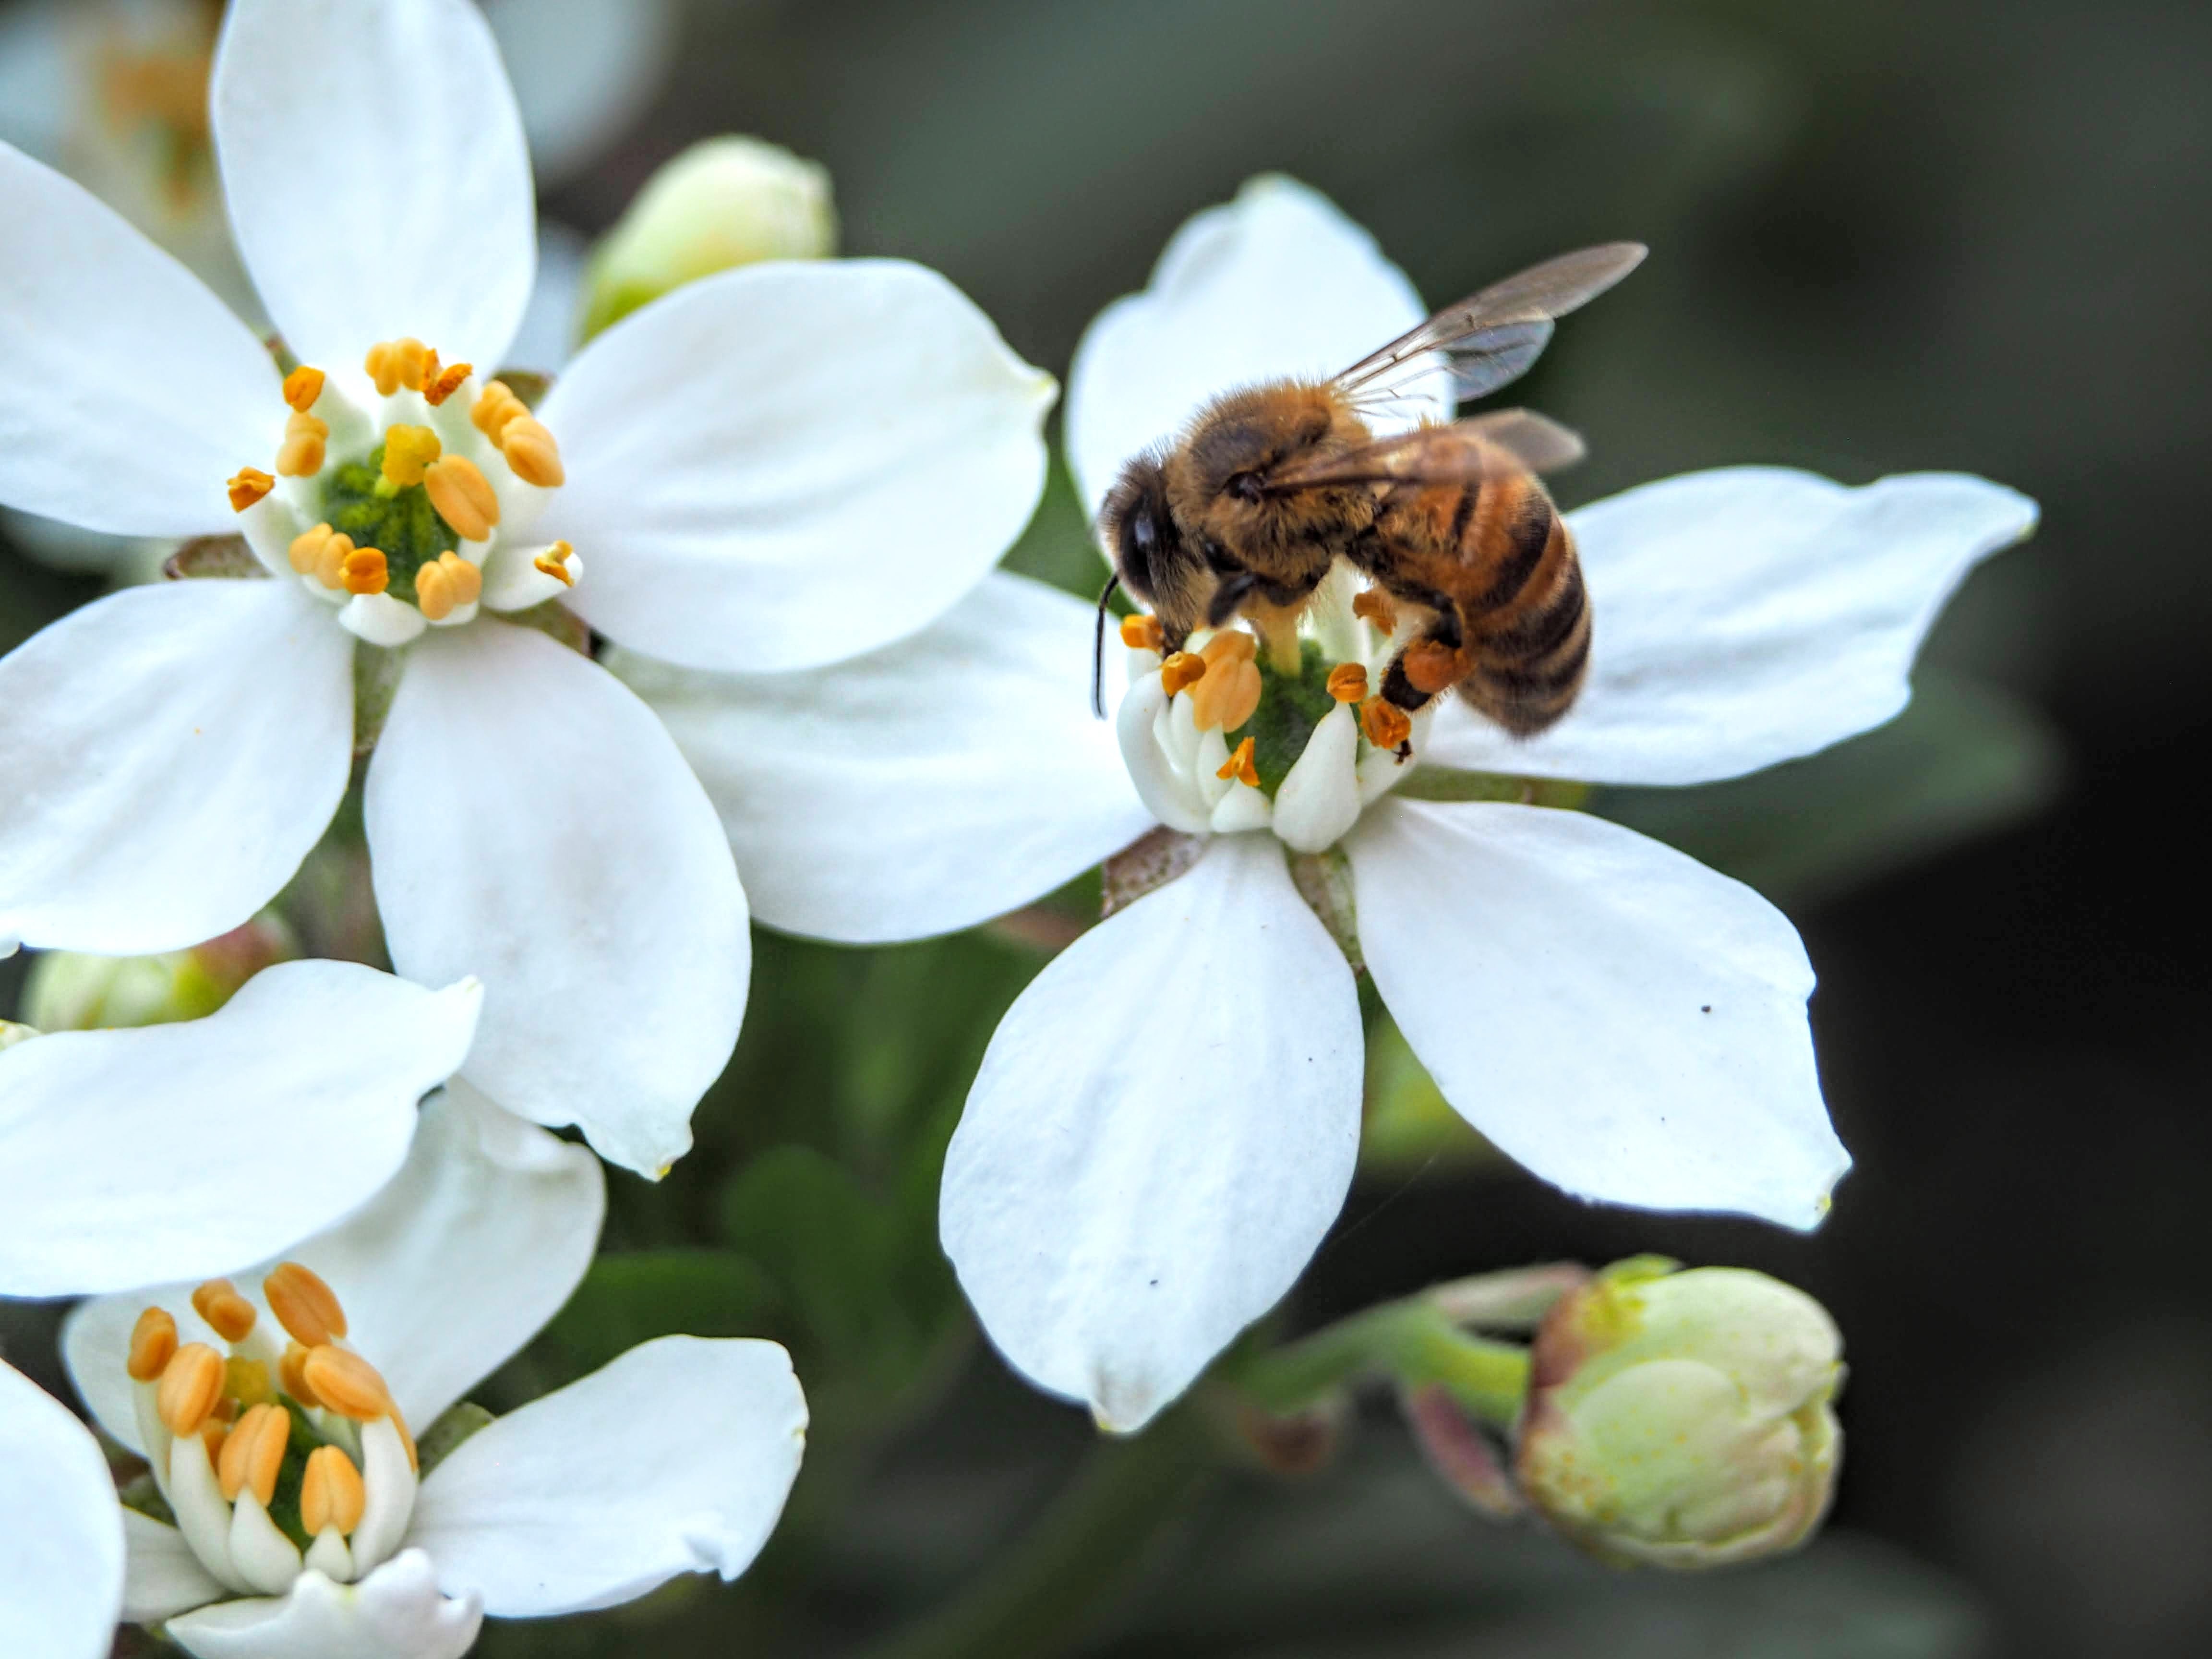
[[725, 480], [1166, 1122], [279, 1410]]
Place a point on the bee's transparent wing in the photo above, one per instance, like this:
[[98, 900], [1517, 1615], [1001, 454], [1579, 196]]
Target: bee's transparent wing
[[1490, 338], [1501, 443]]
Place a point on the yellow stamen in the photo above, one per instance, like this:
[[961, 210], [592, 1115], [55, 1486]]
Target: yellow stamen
[[363, 571], [304, 1305], [153, 1344], [301, 454], [1387, 725], [462, 495], [247, 486], [531, 451], [1240, 767], [1142, 633], [291, 1373], [1347, 682], [246, 1381], [444, 586], [332, 1495], [408, 450], [254, 1455], [394, 363], [1373, 604], [1185, 668], [347, 1384], [302, 386], [445, 383], [192, 1383], [554, 562], [495, 406], [219, 1303]]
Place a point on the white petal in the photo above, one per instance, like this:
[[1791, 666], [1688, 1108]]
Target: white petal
[[1747, 616], [1278, 283], [1627, 1023], [162, 1576], [374, 161], [748, 460], [173, 752], [175, 1151], [1319, 798], [530, 819], [1169, 791], [924, 787], [128, 394], [396, 1613], [584, 70], [1163, 1129], [61, 1532], [674, 1458]]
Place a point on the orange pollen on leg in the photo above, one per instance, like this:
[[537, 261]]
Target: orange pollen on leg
[[247, 486], [363, 571], [302, 386], [347, 1384], [219, 1303], [300, 455], [1182, 670], [1142, 633], [1347, 682], [1240, 766], [554, 562], [304, 1305], [394, 363], [1429, 667], [1387, 725], [408, 452], [446, 382], [445, 584], [192, 1383], [531, 451], [331, 1495], [153, 1344], [1373, 604], [462, 495], [253, 1455]]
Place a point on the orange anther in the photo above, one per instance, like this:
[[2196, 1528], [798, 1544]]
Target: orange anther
[[347, 1384], [1387, 725], [254, 1455], [531, 451], [1240, 766], [331, 1495], [247, 486], [300, 455], [291, 1375], [1231, 645], [152, 1344], [1373, 604], [303, 1304], [219, 1303], [394, 363], [307, 548], [445, 383], [1347, 682], [462, 495], [407, 452], [496, 406], [364, 572], [1182, 670], [302, 386], [554, 562], [1142, 633], [444, 586], [1229, 693], [192, 1383]]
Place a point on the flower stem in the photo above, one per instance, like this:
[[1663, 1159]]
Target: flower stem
[[1413, 1341]]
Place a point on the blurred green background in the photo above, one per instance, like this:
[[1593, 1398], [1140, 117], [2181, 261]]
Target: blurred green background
[[1885, 236]]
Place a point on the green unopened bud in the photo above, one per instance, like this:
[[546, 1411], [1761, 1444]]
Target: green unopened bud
[[1683, 1419], [725, 203], [69, 991]]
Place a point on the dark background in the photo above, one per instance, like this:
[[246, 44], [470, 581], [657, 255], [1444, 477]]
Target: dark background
[[1885, 236]]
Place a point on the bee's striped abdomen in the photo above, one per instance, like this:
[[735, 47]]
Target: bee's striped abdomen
[[1525, 614]]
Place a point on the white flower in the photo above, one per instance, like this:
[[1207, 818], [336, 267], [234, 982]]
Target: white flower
[[726, 480], [61, 1534], [1166, 1122], [674, 1458]]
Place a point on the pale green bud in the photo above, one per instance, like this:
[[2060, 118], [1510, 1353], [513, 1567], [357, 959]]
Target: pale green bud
[[724, 202], [1683, 1419], [70, 991]]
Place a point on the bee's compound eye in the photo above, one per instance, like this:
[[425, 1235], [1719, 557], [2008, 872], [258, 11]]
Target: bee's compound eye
[[1139, 528]]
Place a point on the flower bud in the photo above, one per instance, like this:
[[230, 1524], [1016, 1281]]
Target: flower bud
[[1682, 1420], [70, 991], [724, 202]]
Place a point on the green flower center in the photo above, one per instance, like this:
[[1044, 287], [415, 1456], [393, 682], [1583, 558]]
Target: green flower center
[[402, 523], [1290, 706]]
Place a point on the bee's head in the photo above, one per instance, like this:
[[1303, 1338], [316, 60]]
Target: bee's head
[[1140, 531], [1219, 482]]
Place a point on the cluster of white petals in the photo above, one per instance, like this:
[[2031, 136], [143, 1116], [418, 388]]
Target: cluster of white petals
[[1166, 1122]]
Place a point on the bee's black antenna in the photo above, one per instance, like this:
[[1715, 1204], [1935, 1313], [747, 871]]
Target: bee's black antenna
[[1098, 649]]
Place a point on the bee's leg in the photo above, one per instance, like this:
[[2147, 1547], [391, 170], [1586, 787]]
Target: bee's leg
[[1430, 664], [1228, 596]]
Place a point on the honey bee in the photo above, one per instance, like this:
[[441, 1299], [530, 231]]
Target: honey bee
[[1248, 511]]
